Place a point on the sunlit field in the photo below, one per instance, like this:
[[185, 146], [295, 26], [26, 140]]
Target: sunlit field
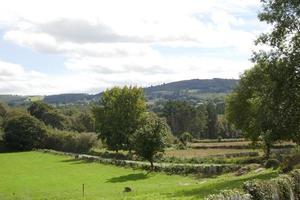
[[34, 175]]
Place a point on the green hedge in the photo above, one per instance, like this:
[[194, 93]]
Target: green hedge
[[285, 187]]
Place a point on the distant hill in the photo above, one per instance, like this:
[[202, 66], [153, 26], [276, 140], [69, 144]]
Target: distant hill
[[70, 98], [192, 90], [215, 85]]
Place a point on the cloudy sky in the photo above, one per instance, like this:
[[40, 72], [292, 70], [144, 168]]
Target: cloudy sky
[[61, 46]]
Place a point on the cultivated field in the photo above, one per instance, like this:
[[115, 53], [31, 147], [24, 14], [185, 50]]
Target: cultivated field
[[41, 176], [195, 153]]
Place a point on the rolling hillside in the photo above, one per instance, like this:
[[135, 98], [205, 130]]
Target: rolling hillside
[[192, 90]]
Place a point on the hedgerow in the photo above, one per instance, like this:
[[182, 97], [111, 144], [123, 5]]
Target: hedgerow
[[285, 187]]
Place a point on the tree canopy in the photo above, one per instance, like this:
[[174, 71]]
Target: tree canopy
[[118, 115], [24, 132], [150, 139], [282, 61]]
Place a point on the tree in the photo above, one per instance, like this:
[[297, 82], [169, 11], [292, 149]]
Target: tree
[[24, 132], [283, 58], [150, 139], [84, 123], [48, 115], [212, 120], [251, 107], [3, 113], [183, 116], [118, 115], [3, 110]]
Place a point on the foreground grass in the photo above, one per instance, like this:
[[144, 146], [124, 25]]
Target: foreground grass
[[35, 175]]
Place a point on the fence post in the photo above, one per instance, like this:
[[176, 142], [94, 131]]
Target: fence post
[[83, 190]]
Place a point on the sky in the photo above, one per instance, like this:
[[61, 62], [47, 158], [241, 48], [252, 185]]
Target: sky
[[85, 46]]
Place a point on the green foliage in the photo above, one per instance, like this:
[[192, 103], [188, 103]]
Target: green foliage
[[70, 141], [272, 163], [84, 122], [24, 132], [48, 114], [280, 188], [3, 113], [282, 60], [251, 107], [150, 139], [186, 137], [183, 116], [212, 120], [3, 110], [291, 160], [229, 195], [118, 115]]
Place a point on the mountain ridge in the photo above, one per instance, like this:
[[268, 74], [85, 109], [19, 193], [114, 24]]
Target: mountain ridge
[[179, 90]]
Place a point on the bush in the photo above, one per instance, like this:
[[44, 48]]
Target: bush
[[71, 141], [85, 141], [272, 163], [279, 188], [291, 160], [186, 137], [229, 195], [286, 187], [295, 175], [24, 132]]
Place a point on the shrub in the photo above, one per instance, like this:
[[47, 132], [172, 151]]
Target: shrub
[[229, 195], [186, 137], [286, 187], [220, 138], [85, 141], [272, 163], [291, 160], [260, 190], [279, 188], [295, 175], [71, 141], [24, 132]]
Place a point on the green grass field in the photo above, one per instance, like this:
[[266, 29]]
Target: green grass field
[[35, 175]]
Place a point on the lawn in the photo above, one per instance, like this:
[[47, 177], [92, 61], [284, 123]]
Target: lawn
[[35, 175]]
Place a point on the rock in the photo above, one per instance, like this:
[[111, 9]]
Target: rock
[[127, 189]]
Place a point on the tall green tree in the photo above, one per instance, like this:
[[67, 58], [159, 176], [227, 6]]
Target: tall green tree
[[118, 115], [282, 60], [150, 139], [212, 120], [251, 107], [182, 116]]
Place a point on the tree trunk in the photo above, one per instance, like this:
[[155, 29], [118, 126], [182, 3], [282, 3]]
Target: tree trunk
[[152, 166], [268, 151]]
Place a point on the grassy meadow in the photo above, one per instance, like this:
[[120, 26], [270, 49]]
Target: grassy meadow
[[41, 176]]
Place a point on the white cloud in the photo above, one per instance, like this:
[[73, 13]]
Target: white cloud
[[111, 42]]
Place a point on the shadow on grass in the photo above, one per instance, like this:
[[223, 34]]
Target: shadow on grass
[[213, 188], [129, 177], [4, 149], [76, 161]]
